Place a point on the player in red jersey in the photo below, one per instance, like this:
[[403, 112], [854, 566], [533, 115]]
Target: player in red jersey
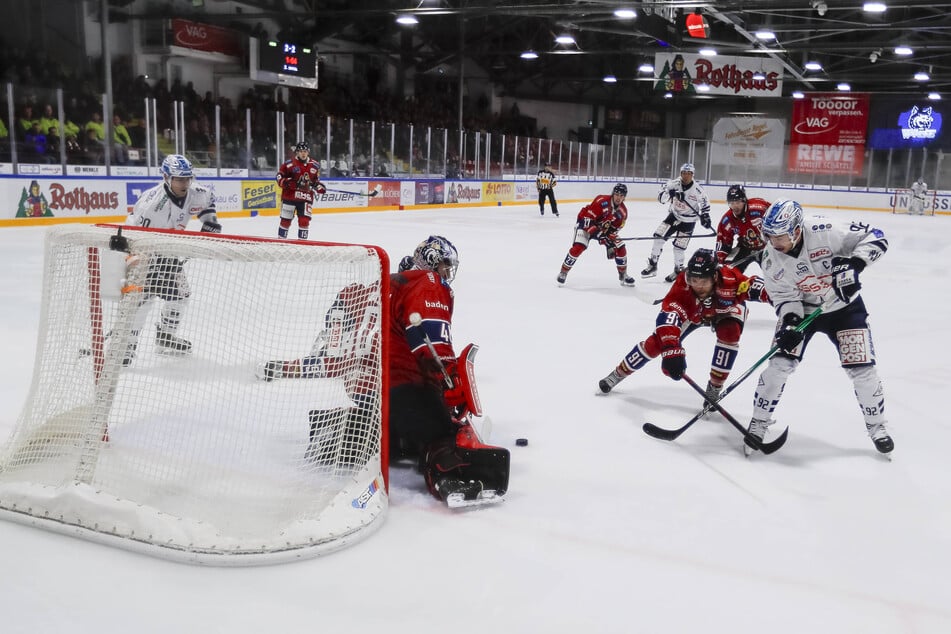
[[299, 179], [744, 222], [705, 293], [431, 396], [601, 220]]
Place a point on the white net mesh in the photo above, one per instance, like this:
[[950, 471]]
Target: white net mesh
[[156, 420]]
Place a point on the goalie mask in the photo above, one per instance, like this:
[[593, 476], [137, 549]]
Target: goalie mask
[[436, 253]]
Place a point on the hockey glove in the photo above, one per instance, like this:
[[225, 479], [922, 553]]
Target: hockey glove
[[845, 277], [320, 189], [119, 242], [675, 194], [705, 220], [454, 396], [210, 226], [674, 363], [787, 338]]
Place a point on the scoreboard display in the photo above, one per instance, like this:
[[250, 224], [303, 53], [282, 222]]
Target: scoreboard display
[[288, 58]]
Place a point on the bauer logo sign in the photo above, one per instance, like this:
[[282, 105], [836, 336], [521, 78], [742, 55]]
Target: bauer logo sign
[[259, 195]]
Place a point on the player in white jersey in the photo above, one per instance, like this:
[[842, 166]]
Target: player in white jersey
[[687, 203], [919, 189], [813, 262], [170, 205]]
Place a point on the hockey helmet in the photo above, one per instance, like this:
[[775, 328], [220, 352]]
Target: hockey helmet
[[620, 188], [687, 167], [301, 147], [436, 250], [736, 192], [783, 218], [703, 263], [176, 165]]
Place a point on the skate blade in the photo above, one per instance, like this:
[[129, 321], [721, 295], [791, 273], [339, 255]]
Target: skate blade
[[485, 498]]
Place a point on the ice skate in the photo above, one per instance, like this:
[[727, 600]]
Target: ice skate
[[562, 276], [168, 343], [607, 383], [713, 395], [651, 269], [625, 279], [757, 429], [879, 435], [673, 276]]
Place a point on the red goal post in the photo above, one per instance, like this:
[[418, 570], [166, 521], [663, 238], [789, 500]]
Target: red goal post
[[191, 456], [902, 201]]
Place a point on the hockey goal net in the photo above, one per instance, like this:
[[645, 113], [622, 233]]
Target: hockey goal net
[[905, 202], [187, 454]]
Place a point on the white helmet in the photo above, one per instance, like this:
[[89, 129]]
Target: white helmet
[[176, 165], [687, 167], [783, 218]]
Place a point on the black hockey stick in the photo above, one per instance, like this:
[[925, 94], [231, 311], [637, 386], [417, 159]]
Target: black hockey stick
[[373, 192], [671, 434], [703, 235], [751, 440]]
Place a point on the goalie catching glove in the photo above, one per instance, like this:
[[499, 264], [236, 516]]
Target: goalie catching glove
[[845, 277]]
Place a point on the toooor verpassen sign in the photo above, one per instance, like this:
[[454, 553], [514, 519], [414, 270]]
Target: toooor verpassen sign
[[828, 133]]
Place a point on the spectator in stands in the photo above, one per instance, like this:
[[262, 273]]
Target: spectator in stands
[[121, 141], [48, 119], [34, 147], [96, 126], [27, 119], [93, 153]]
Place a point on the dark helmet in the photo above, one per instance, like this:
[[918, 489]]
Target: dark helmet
[[703, 263], [736, 192], [302, 147], [620, 188]]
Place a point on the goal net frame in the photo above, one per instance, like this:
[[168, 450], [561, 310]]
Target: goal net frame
[[192, 457], [901, 199]]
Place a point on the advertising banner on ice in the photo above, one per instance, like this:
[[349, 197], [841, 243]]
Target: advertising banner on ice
[[753, 141], [66, 198], [725, 75], [828, 133]]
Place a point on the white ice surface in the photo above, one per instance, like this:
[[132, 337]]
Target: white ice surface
[[604, 529]]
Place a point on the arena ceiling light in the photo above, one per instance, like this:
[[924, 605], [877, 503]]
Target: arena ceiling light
[[610, 79], [529, 55], [874, 7], [933, 96], [407, 20], [903, 50], [645, 68], [843, 87], [565, 38], [759, 75], [798, 94], [922, 76], [625, 13], [708, 52], [765, 35], [813, 65]]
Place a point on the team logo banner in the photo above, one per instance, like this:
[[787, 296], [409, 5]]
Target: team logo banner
[[828, 133]]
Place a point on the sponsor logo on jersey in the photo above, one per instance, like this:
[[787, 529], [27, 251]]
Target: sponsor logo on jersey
[[801, 268], [437, 304], [824, 252], [854, 346]]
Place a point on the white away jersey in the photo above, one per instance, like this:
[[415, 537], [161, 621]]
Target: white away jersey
[[807, 279], [688, 210], [156, 209], [919, 189]]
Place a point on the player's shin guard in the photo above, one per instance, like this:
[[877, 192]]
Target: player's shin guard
[[303, 227], [771, 384]]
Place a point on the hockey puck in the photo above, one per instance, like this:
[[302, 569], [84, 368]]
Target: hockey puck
[[521, 442]]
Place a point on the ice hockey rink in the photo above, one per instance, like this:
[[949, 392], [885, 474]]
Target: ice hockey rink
[[604, 528]]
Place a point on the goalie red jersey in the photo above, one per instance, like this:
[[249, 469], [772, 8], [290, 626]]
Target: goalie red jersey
[[425, 293], [297, 179]]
